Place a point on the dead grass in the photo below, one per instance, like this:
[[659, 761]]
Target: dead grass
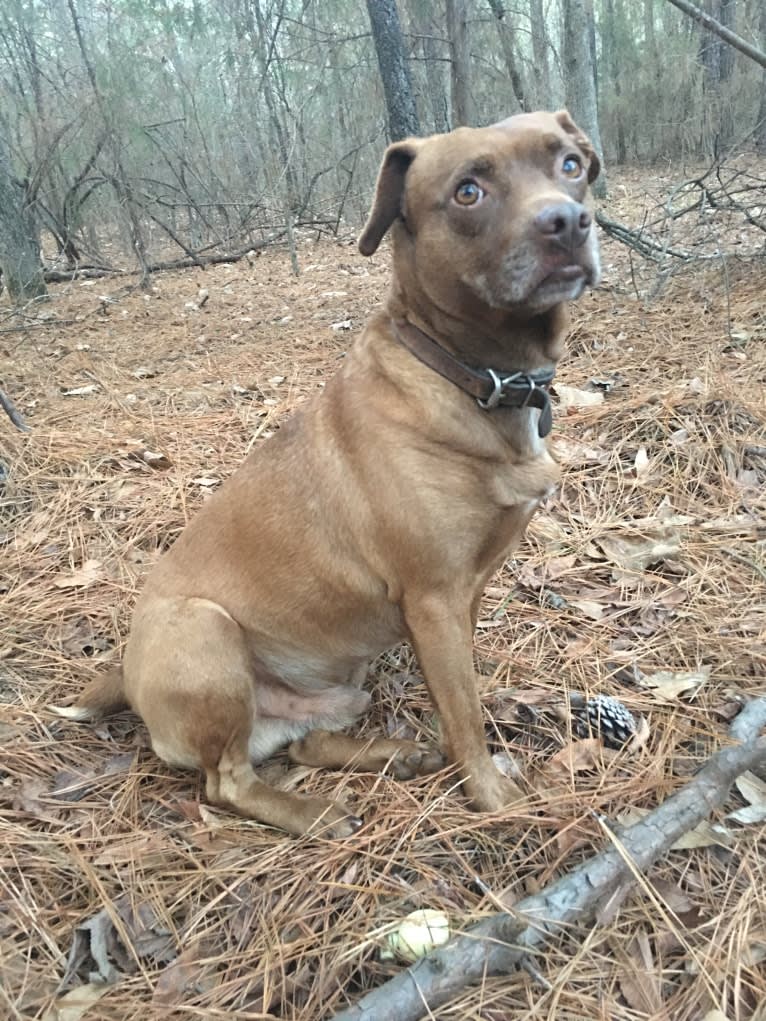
[[204, 915]]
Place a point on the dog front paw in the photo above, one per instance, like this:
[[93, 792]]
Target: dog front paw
[[490, 791], [413, 759]]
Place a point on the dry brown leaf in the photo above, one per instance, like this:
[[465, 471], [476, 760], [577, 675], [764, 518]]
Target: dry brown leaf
[[154, 459], [641, 462], [87, 575], [640, 981], [667, 685], [148, 848], [752, 789], [80, 391], [179, 979], [74, 1004], [588, 607], [571, 397], [635, 553], [578, 756]]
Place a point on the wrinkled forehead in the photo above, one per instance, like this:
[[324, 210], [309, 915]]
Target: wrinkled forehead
[[522, 138]]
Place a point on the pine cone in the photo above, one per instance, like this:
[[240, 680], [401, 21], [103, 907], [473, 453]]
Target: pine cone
[[604, 717]]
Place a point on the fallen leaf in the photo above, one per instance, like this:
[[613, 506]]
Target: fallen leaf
[[715, 1015], [588, 607], [80, 391], [635, 553], [154, 459], [665, 684], [72, 1005], [571, 397], [179, 978], [672, 896], [640, 981], [98, 951], [641, 463], [578, 756], [87, 575], [752, 789], [206, 483]]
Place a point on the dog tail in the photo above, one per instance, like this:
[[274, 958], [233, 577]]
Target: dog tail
[[104, 695]]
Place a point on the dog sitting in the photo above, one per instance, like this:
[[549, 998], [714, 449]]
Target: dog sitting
[[378, 513]]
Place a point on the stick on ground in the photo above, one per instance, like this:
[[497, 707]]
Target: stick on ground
[[486, 948], [10, 409]]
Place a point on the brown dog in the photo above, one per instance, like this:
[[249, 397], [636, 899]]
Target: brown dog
[[379, 512]]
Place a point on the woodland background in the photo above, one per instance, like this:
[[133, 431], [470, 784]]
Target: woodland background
[[236, 144], [134, 132]]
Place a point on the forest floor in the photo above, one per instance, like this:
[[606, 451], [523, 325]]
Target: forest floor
[[642, 578]]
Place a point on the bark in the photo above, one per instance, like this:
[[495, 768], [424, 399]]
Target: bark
[[543, 99], [460, 76], [760, 130], [397, 87], [421, 15], [759, 56], [508, 44], [501, 942], [20, 263], [613, 63], [579, 76], [726, 59], [10, 409]]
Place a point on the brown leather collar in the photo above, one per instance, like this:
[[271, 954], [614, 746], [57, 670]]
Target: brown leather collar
[[492, 389]]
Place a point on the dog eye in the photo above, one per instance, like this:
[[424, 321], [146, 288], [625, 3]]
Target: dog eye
[[572, 167], [469, 193]]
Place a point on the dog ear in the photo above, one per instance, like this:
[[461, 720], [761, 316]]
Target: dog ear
[[388, 193], [583, 142]]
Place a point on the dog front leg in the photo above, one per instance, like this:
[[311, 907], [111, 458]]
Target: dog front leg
[[441, 632]]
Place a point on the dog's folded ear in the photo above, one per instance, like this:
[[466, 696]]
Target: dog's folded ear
[[389, 193], [583, 142]]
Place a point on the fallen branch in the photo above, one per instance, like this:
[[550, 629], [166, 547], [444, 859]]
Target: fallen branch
[[486, 948], [200, 261], [721, 31], [10, 409]]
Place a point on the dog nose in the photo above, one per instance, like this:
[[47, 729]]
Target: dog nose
[[566, 223]]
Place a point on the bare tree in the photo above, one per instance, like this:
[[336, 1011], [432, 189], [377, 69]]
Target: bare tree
[[542, 87], [760, 130], [19, 242], [580, 78], [389, 47], [460, 77], [505, 31], [422, 17]]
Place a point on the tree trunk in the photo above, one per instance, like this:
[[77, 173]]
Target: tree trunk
[[613, 65], [421, 16], [457, 29], [542, 90], [760, 130], [19, 243], [506, 34], [580, 83], [397, 87]]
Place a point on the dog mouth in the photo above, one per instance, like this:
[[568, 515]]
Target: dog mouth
[[571, 271]]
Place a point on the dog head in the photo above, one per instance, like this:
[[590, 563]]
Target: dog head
[[492, 217]]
